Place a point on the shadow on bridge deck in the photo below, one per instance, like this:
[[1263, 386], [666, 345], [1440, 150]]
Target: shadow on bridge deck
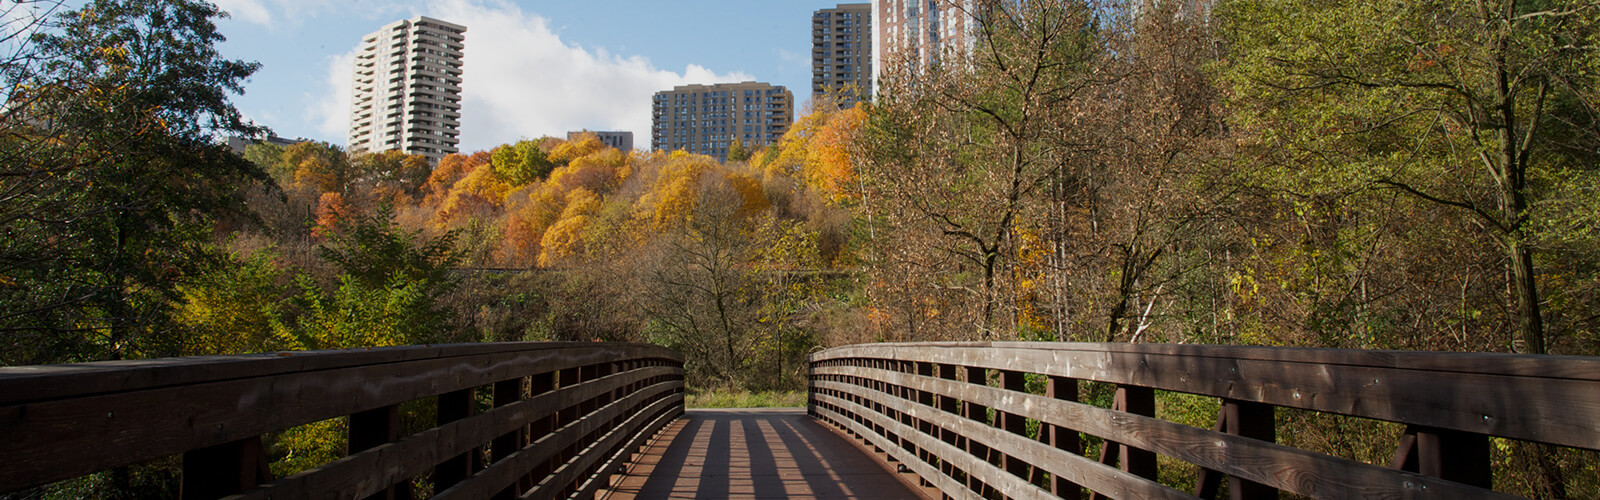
[[755, 453]]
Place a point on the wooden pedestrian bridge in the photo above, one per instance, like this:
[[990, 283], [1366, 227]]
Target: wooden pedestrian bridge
[[957, 420]]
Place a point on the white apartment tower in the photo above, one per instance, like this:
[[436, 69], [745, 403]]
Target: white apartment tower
[[407, 93], [918, 33]]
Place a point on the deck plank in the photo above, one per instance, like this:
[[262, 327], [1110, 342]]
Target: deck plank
[[755, 454]]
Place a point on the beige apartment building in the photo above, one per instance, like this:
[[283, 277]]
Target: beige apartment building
[[841, 52], [407, 93], [919, 33], [706, 119]]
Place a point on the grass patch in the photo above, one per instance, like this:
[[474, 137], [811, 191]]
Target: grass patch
[[744, 399]]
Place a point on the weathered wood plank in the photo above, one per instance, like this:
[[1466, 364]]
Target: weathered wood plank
[[622, 454], [22, 384], [364, 473], [507, 471], [951, 487], [129, 427], [1279, 466], [1105, 480], [1490, 402], [1526, 365]]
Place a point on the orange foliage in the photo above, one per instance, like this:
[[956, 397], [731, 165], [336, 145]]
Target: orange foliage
[[331, 209], [816, 150], [827, 166], [527, 221], [450, 170]]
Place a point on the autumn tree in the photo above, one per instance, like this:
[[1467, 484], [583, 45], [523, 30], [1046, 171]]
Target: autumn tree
[[321, 165], [114, 175], [521, 163], [959, 154]]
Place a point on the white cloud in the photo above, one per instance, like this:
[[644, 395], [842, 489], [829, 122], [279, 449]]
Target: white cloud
[[332, 109], [521, 80]]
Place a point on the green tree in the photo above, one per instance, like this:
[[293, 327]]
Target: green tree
[[521, 163], [374, 250], [1464, 105], [232, 308], [114, 173], [737, 151]]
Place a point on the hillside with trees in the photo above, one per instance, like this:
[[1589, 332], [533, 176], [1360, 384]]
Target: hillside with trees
[[1348, 174]]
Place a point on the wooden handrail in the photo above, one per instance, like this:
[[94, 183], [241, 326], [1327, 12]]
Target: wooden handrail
[[563, 415], [959, 415]]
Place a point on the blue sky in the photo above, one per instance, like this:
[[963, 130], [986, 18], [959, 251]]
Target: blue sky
[[533, 67]]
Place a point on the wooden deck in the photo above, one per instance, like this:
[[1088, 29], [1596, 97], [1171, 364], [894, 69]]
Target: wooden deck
[[755, 453]]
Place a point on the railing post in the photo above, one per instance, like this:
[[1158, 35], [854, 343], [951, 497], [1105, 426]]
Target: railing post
[[1014, 381], [1138, 401], [539, 383], [1063, 438], [453, 406], [1453, 455], [373, 428], [224, 469], [1247, 419], [505, 393], [977, 413], [952, 436]]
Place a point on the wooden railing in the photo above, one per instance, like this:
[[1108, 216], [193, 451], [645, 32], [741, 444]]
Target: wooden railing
[[963, 418], [525, 418]]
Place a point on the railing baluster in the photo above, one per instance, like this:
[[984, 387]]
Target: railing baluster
[[453, 406], [1016, 424], [505, 393], [977, 413], [373, 428], [1457, 456], [1138, 401], [224, 469], [1063, 438], [1247, 419]]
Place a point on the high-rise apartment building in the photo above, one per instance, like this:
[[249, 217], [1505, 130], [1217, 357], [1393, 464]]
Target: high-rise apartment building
[[919, 33], [407, 93], [706, 119], [841, 52]]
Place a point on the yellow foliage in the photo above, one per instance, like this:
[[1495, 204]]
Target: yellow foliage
[[816, 151], [600, 171], [479, 192], [565, 237], [672, 196], [586, 144], [749, 188]]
